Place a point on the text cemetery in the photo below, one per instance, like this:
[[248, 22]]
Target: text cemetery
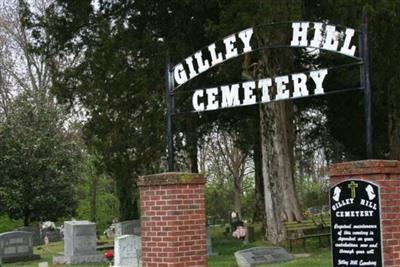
[[271, 89]]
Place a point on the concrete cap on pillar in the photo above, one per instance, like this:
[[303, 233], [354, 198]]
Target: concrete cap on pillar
[[364, 167], [171, 178]]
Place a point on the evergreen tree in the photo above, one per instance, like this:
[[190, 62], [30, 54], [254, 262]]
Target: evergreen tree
[[39, 161]]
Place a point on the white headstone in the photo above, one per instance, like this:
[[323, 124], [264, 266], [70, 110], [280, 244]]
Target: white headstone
[[43, 264], [127, 251]]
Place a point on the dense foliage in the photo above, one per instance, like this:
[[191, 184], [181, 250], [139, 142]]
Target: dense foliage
[[39, 161], [97, 200]]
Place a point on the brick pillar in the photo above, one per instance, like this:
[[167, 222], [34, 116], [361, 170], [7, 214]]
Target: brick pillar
[[173, 225], [386, 174]]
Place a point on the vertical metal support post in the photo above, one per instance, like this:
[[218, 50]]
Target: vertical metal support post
[[170, 111], [367, 85]]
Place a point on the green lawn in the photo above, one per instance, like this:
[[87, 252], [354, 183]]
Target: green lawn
[[223, 247], [53, 249]]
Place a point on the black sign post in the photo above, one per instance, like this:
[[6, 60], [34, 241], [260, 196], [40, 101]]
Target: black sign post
[[356, 224]]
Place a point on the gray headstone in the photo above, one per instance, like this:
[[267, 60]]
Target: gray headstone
[[260, 255], [37, 240], [16, 246], [127, 251], [80, 243], [127, 228]]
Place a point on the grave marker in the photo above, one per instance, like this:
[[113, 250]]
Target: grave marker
[[261, 255], [80, 243], [16, 246], [356, 225], [127, 251], [37, 239]]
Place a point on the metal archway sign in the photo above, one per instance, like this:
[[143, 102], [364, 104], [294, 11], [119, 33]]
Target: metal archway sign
[[310, 35]]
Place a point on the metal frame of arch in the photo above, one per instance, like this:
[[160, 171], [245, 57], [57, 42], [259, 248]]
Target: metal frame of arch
[[184, 71]]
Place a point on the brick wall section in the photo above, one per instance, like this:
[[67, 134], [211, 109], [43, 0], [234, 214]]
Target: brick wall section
[[386, 174], [173, 220]]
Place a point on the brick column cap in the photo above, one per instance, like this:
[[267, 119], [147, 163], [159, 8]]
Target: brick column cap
[[171, 178], [364, 167]]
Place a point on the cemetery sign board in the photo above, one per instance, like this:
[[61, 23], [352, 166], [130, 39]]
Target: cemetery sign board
[[356, 224]]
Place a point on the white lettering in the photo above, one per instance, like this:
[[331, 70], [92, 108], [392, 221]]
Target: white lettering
[[299, 36], [192, 71], [195, 100], [249, 97], [331, 41], [203, 65], [281, 91], [180, 74], [230, 96], [265, 84], [245, 36], [346, 45], [231, 50], [212, 102], [316, 42], [299, 85], [215, 58], [318, 77]]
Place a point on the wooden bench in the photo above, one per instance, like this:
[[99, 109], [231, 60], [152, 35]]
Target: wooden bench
[[310, 228]]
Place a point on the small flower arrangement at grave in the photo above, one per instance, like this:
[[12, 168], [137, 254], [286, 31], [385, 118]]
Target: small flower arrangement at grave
[[109, 255], [239, 233]]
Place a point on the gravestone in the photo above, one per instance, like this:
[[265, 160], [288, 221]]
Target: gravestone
[[16, 246], [127, 251], [37, 240], [131, 227], [261, 255], [80, 243], [43, 264], [356, 225]]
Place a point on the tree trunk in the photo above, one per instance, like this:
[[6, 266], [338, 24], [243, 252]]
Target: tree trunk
[[277, 128], [192, 149], [27, 219], [237, 193], [128, 208], [277, 139], [259, 207], [93, 193], [394, 119]]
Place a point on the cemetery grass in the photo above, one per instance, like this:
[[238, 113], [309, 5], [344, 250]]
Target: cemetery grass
[[53, 250], [223, 247]]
